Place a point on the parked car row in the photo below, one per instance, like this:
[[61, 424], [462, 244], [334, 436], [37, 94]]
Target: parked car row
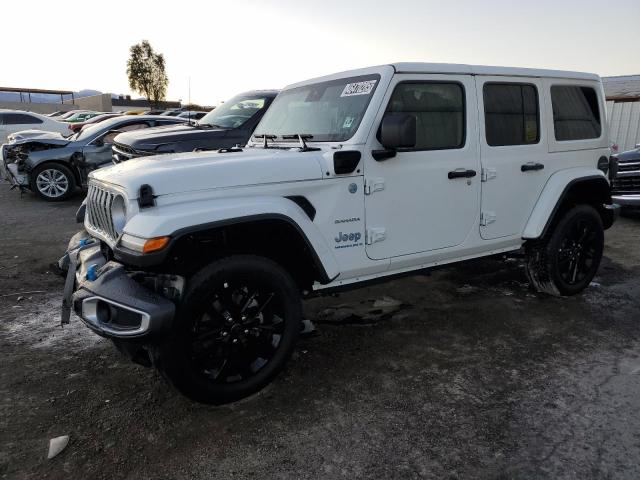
[[53, 164]]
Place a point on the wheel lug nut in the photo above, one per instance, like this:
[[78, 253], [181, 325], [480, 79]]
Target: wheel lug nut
[[235, 340], [224, 334]]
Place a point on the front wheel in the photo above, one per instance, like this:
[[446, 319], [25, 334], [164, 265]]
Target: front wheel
[[234, 331], [53, 182], [565, 262]]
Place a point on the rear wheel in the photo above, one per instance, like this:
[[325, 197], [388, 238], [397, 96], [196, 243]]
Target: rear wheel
[[565, 262], [53, 182], [234, 331]]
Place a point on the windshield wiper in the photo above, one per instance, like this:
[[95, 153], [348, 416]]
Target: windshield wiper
[[301, 138], [266, 137]]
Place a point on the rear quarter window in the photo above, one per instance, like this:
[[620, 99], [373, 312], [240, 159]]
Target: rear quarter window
[[576, 115]]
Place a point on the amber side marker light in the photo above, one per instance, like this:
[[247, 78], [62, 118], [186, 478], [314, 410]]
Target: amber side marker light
[[155, 244]]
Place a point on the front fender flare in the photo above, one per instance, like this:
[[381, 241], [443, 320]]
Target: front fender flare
[[552, 196], [180, 219]]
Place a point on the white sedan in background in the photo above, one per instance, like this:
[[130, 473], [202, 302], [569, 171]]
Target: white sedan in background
[[12, 121]]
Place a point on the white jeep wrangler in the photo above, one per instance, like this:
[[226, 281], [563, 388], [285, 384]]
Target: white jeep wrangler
[[197, 263]]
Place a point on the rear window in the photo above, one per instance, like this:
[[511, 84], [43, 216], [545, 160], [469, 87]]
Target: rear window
[[20, 119], [511, 114], [576, 115]]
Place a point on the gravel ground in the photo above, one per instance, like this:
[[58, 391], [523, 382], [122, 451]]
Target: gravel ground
[[461, 374]]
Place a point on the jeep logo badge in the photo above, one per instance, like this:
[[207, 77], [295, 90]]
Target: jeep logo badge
[[348, 237]]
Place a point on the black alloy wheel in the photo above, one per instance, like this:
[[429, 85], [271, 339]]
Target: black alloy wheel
[[235, 330]]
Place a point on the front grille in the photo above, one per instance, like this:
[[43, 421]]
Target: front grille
[[128, 152], [123, 149], [629, 167], [99, 201], [628, 184]]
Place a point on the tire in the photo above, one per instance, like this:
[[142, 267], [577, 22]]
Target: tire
[[53, 182], [567, 259], [234, 330]]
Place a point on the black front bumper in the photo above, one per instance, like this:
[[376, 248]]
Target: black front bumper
[[106, 297]]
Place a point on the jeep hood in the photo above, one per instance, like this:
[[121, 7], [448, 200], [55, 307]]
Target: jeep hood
[[152, 138], [189, 172]]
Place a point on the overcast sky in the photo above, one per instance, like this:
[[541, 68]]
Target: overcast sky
[[231, 46]]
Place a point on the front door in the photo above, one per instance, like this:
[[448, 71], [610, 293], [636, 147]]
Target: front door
[[425, 198]]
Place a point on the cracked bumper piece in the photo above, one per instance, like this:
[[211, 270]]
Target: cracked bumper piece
[[114, 305]]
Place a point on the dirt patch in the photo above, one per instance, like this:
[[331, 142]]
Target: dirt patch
[[461, 374]]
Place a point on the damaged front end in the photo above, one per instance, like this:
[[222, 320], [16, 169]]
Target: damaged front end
[[113, 300], [14, 159]]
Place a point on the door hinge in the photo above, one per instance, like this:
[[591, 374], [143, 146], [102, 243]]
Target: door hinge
[[374, 235], [487, 217], [488, 174], [373, 185]]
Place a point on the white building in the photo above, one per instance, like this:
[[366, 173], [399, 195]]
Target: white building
[[623, 110]]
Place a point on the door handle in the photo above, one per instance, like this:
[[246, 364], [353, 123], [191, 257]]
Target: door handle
[[531, 166], [461, 173]]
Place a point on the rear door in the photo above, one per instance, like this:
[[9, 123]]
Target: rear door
[[425, 198], [513, 150]]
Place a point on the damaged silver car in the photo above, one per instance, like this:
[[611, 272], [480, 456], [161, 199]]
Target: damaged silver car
[[53, 166]]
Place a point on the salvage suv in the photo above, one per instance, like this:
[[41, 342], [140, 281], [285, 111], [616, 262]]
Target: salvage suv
[[197, 263]]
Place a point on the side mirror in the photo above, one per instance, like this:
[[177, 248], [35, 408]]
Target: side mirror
[[99, 142], [398, 130]]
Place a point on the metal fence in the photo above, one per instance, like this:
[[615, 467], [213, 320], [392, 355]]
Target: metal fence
[[624, 123]]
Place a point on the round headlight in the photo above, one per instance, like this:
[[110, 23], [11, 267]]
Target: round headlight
[[119, 213]]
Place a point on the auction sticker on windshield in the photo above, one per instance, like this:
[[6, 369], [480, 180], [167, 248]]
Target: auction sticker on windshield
[[358, 88]]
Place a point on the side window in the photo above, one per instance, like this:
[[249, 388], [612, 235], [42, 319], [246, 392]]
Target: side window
[[576, 115], [511, 114], [108, 138], [20, 119], [439, 110]]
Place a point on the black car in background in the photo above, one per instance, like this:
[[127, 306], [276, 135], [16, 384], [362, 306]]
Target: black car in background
[[228, 125], [625, 189]]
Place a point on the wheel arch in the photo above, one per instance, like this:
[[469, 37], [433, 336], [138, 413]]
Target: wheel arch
[[563, 190], [275, 227], [56, 161], [280, 239]]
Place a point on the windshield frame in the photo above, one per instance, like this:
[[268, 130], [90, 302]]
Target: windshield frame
[[363, 77]]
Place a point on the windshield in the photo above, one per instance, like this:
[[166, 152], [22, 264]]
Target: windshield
[[325, 112], [93, 129], [235, 112]]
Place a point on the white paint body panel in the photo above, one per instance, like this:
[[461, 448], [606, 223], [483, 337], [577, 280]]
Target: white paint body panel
[[547, 201], [418, 204]]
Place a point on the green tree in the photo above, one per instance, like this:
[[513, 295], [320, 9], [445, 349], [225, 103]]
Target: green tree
[[146, 72]]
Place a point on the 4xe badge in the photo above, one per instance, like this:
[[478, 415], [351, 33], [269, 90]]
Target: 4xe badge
[[347, 240]]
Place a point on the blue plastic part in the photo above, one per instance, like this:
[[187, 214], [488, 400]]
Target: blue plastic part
[[83, 242], [92, 272]]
